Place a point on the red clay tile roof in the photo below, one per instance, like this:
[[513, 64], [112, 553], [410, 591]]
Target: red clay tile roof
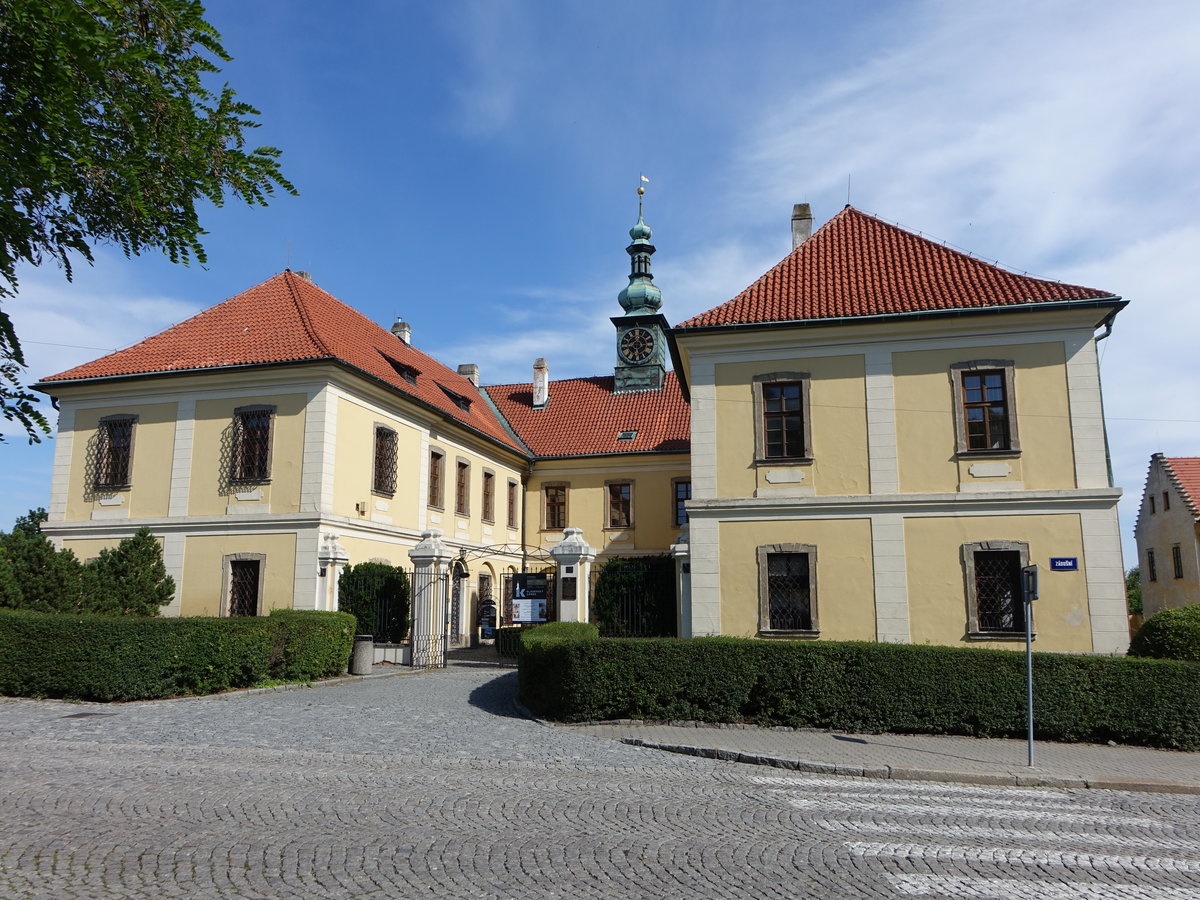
[[1184, 472], [857, 265], [584, 417], [288, 319]]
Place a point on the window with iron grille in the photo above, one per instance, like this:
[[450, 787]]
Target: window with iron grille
[[1151, 568], [984, 415], [115, 452], [384, 479], [787, 595], [244, 583], [513, 498], [620, 504], [781, 415], [1177, 560], [683, 493], [251, 461], [995, 599], [489, 496], [462, 488], [556, 506], [437, 462]]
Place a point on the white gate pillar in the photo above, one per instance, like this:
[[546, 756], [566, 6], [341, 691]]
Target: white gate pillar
[[430, 619], [573, 582], [331, 557], [682, 552]]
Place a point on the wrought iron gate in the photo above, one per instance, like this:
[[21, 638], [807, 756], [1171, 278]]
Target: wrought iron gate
[[431, 619]]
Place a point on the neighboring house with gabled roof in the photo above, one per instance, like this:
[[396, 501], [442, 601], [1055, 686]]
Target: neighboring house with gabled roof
[[898, 423], [1168, 535]]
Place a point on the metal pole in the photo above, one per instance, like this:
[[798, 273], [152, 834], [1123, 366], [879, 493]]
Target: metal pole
[[1029, 590]]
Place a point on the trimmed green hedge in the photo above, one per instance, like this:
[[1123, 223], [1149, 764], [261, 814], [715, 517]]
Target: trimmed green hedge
[[107, 658], [863, 687]]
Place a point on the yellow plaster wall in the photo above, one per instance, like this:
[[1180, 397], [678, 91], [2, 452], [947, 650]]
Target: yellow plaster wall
[[355, 464], [924, 397], [89, 548], [837, 407], [587, 501], [204, 570], [471, 527], [150, 477], [937, 592], [213, 419], [845, 580]]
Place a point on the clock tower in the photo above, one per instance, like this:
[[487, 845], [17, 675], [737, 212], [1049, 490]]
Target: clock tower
[[641, 331]]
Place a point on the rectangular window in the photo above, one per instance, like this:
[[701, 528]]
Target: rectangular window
[[787, 589], [244, 581], [489, 496], [1166, 501], [1177, 560], [984, 412], [114, 452], [1152, 510], [995, 595], [781, 416], [251, 463], [556, 506], [384, 478], [462, 488], [437, 462], [513, 497], [1151, 568], [683, 493], [620, 504]]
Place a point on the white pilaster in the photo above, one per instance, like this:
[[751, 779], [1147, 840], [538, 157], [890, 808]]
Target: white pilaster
[[309, 589], [173, 546], [64, 445], [706, 578], [1105, 571], [891, 579], [574, 558], [704, 430], [681, 550], [181, 457], [881, 422], [430, 622], [320, 448], [1087, 413]]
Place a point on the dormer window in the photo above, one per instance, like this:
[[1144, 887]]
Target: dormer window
[[630, 435], [407, 372], [463, 403]]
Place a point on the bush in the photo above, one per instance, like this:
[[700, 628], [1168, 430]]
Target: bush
[[129, 579], [126, 658], [863, 687], [1170, 634], [635, 597], [41, 578], [379, 598]]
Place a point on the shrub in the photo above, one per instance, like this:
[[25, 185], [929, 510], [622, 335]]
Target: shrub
[[379, 598], [635, 597], [133, 658], [45, 579], [129, 579], [863, 687], [1170, 634]]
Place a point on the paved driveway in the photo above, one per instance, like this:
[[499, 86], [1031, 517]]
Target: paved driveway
[[428, 785]]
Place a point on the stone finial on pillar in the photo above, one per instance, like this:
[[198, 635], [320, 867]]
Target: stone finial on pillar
[[682, 552], [572, 586], [330, 557]]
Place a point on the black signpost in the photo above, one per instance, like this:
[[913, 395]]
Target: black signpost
[[487, 619], [529, 598]]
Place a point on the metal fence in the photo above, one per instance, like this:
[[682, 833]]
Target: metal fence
[[635, 597]]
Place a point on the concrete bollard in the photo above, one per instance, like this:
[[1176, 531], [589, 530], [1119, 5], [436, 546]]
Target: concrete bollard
[[364, 654]]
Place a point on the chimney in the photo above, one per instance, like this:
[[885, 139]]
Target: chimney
[[307, 276], [470, 371], [801, 224], [402, 330], [541, 383]]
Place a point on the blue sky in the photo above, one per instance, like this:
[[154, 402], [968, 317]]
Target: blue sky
[[471, 167]]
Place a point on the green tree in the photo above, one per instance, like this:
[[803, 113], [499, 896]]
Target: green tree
[[108, 133], [1133, 591], [47, 580], [129, 579]]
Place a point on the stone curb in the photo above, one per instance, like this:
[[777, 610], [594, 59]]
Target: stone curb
[[902, 773]]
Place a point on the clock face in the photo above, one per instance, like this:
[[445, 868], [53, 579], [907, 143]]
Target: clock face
[[637, 344]]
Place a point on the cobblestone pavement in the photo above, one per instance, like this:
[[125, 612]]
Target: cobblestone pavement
[[431, 785]]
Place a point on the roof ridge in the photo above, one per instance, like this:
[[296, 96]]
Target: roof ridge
[[305, 319]]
